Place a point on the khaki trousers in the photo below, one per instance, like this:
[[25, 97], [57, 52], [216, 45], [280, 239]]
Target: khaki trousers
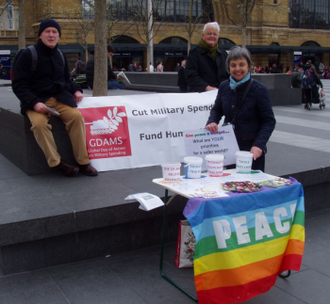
[[75, 125]]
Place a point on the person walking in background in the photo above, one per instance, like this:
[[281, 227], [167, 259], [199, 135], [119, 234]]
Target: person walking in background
[[112, 77], [309, 79], [274, 69], [206, 67], [151, 68], [47, 90], [177, 67], [132, 67], [321, 68], [315, 88], [80, 67], [160, 67], [182, 81], [296, 80], [252, 118], [267, 69]]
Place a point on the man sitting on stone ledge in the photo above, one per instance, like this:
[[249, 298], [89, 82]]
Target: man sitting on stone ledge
[[49, 87]]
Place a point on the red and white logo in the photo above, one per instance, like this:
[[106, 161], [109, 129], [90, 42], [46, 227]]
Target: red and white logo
[[107, 133]]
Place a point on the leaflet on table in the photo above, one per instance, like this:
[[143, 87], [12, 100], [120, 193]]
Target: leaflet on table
[[147, 201]]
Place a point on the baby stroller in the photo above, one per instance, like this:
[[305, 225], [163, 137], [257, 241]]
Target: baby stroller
[[314, 95]]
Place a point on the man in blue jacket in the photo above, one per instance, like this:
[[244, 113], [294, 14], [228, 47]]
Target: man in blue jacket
[[206, 64], [49, 88]]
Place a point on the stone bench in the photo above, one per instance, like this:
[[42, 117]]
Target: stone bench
[[279, 85], [17, 143]]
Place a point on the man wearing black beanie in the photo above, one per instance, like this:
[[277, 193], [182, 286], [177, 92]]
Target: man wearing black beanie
[[48, 90]]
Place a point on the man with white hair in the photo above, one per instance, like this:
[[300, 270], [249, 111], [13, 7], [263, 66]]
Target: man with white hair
[[206, 67]]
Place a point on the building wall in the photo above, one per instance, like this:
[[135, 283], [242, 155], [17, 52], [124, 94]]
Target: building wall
[[267, 26]]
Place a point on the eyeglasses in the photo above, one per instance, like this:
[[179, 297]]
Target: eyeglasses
[[212, 34]]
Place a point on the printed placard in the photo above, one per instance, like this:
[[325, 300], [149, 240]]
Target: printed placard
[[202, 142]]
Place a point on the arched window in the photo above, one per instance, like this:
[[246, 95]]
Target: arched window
[[310, 43], [174, 40], [123, 39], [225, 41]]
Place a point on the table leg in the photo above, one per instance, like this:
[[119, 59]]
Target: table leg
[[162, 253]]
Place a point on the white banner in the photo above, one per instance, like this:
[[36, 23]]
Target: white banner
[[142, 130]]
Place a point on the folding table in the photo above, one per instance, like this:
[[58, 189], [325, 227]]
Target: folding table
[[180, 188]]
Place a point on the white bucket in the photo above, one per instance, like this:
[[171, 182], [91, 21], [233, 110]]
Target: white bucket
[[193, 166], [214, 164], [171, 172], [244, 161]]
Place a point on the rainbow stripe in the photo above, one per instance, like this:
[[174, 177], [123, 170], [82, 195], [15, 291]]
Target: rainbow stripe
[[244, 243]]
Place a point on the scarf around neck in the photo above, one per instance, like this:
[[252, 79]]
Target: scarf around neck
[[234, 84], [205, 46]]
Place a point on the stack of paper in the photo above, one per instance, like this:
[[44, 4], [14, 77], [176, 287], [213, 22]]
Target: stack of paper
[[147, 201]]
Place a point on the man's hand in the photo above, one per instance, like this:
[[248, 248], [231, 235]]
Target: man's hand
[[78, 96], [40, 108]]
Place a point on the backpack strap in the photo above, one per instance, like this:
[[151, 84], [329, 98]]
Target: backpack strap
[[62, 56], [34, 53]]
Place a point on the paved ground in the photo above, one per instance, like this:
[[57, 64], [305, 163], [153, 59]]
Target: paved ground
[[300, 142]]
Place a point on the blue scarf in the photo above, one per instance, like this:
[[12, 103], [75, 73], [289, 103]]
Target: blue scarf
[[234, 84]]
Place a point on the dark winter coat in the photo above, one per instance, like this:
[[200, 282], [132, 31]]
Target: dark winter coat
[[254, 122], [182, 81], [182, 76], [202, 70], [296, 79], [90, 71], [50, 79]]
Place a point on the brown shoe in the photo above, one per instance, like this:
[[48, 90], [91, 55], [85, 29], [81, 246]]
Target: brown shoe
[[69, 170], [88, 170]]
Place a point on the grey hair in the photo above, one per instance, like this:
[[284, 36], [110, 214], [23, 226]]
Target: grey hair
[[214, 24], [238, 52]]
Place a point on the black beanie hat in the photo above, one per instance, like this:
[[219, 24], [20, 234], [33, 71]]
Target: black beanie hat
[[49, 23]]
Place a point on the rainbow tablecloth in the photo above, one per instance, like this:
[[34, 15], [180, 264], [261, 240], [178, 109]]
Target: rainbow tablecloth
[[245, 241]]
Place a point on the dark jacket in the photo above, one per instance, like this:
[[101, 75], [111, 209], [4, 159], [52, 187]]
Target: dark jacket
[[182, 76], [317, 80], [296, 79], [254, 122], [90, 71], [202, 70], [50, 79]]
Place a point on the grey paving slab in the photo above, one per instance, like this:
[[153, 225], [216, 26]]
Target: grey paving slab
[[96, 285], [284, 159], [318, 260], [309, 286], [8, 170], [143, 276], [30, 289], [303, 130]]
